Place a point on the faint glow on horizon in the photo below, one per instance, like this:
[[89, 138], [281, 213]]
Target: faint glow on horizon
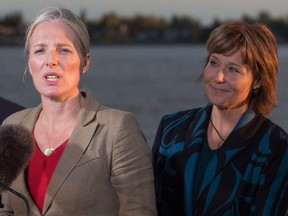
[[206, 11]]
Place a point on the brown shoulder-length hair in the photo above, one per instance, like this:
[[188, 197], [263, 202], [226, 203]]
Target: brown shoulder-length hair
[[258, 48]]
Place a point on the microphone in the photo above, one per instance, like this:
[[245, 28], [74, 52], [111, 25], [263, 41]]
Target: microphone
[[16, 149]]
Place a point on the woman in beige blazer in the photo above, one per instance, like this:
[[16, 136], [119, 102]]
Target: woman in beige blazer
[[89, 159]]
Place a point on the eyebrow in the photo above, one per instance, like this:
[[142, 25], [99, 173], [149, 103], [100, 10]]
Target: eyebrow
[[57, 44], [242, 65]]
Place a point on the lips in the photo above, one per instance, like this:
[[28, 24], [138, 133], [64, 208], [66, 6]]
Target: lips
[[217, 90], [51, 77]]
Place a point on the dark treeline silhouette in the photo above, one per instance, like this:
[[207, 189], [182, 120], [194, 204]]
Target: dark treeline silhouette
[[143, 29]]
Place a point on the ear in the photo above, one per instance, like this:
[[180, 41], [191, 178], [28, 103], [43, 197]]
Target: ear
[[28, 68], [86, 63]]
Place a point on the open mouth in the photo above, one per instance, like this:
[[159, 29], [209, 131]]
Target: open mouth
[[52, 77]]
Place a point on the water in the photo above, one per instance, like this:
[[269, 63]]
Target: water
[[149, 81]]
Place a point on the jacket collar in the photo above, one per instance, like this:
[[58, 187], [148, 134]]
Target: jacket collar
[[245, 128]]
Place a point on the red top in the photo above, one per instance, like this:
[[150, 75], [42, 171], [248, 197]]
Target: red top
[[40, 170]]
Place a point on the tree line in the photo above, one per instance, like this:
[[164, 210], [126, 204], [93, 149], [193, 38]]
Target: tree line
[[143, 29]]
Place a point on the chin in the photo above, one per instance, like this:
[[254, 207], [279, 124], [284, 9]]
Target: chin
[[51, 95], [217, 101]]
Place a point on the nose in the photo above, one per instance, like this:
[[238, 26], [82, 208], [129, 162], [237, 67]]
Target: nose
[[52, 60], [219, 76]]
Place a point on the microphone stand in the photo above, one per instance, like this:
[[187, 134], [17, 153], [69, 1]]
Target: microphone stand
[[19, 195]]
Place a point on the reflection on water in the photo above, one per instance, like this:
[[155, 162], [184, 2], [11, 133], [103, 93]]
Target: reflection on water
[[149, 81]]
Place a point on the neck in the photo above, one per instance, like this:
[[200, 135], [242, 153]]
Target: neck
[[56, 123], [55, 112], [225, 120], [221, 125]]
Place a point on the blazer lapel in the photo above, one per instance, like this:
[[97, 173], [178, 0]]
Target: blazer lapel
[[29, 122], [73, 152], [193, 144]]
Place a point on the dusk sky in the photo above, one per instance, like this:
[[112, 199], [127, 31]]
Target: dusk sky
[[203, 10]]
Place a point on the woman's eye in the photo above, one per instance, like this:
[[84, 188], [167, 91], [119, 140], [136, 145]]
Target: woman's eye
[[213, 62], [38, 51], [64, 50], [233, 69]]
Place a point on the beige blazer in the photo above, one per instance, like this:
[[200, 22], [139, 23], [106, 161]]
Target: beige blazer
[[104, 170]]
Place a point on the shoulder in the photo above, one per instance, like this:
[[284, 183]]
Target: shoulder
[[16, 117], [108, 115], [175, 125], [274, 129], [122, 129], [276, 136], [104, 114], [180, 117]]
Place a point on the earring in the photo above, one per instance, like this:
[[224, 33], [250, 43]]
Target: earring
[[24, 75], [256, 90]]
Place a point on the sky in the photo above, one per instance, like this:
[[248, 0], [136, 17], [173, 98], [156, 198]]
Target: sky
[[203, 10]]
